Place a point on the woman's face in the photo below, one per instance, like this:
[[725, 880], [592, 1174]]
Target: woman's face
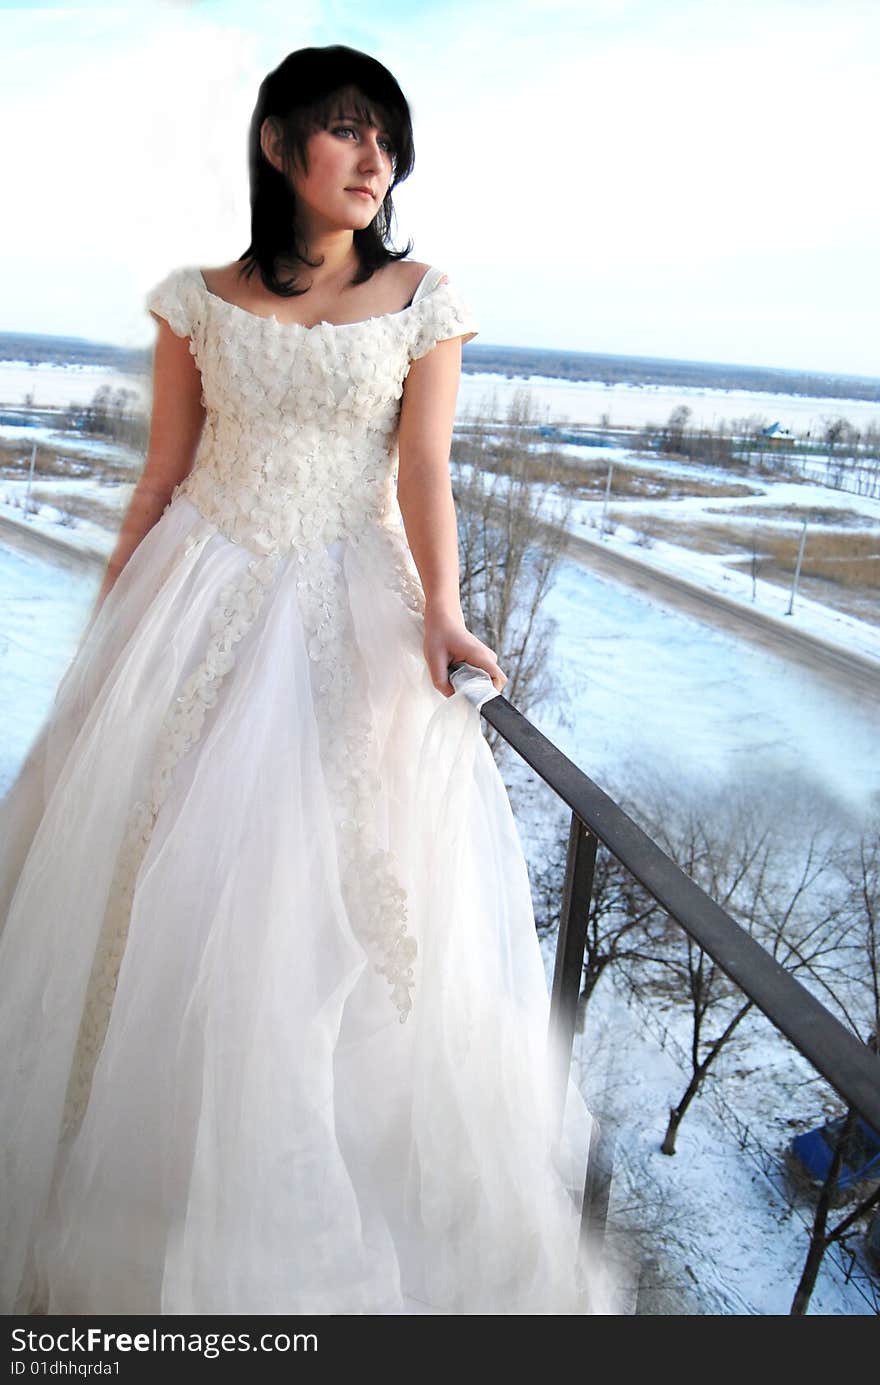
[[348, 155]]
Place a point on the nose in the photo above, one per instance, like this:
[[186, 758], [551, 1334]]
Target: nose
[[371, 153]]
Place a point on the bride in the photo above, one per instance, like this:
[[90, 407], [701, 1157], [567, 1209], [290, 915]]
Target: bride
[[274, 1013]]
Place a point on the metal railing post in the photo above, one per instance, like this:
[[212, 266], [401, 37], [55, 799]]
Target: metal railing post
[[577, 892], [597, 1184]]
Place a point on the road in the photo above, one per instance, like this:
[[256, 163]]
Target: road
[[24, 538], [852, 672]]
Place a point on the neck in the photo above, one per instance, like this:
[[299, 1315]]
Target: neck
[[336, 253]]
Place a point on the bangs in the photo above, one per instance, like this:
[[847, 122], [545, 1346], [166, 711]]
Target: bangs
[[350, 102]]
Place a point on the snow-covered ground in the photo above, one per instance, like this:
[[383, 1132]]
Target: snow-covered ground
[[55, 386], [634, 406], [725, 1234], [642, 686], [43, 611], [51, 516], [784, 503], [64, 444], [726, 573], [574, 401]]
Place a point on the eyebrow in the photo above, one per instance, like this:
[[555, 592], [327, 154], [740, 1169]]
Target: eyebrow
[[356, 120]]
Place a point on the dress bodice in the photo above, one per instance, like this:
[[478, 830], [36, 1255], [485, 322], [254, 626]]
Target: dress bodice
[[299, 445], [297, 463]]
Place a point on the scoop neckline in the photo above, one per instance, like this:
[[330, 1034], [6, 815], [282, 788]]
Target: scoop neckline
[[302, 326]]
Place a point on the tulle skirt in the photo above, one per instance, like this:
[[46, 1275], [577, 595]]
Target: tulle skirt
[[215, 1098]]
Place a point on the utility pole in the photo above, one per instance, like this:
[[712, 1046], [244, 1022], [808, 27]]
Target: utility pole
[[605, 501], [797, 568], [27, 494]]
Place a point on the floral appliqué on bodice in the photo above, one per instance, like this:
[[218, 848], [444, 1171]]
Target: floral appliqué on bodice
[[298, 450]]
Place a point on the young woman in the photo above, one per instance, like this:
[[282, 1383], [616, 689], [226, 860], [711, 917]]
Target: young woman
[[274, 1015]]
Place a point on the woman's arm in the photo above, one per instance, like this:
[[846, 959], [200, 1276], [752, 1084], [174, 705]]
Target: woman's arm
[[424, 493], [176, 424]]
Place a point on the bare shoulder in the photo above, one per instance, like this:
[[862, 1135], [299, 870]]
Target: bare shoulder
[[396, 283], [231, 283], [415, 270], [222, 278]]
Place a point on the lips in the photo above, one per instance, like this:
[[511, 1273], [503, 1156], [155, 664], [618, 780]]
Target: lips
[[364, 191]]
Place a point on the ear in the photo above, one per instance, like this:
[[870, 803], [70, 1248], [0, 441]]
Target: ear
[[271, 143]]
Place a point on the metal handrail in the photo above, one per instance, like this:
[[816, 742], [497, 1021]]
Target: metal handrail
[[850, 1067]]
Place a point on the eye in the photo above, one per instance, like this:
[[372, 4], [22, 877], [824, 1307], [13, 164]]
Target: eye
[[389, 147]]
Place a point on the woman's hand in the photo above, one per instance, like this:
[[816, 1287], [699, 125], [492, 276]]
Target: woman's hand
[[447, 639]]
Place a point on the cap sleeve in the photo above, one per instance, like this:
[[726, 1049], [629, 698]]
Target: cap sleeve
[[171, 299], [442, 313]]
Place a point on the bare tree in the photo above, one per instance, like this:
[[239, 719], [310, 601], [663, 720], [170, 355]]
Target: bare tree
[[851, 982], [512, 513], [840, 439], [735, 853], [114, 413], [674, 432], [619, 920], [820, 1235]]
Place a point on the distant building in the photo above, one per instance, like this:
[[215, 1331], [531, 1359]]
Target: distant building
[[776, 433]]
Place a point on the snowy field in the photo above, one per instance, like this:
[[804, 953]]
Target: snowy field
[[721, 1230], [634, 406], [782, 503], [578, 401], [51, 516], [645, 687], [55, 386]]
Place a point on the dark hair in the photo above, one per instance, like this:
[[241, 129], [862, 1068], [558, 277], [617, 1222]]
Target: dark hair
[[303, 93]]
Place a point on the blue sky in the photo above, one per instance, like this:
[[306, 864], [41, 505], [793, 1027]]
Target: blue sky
[[651, 177]]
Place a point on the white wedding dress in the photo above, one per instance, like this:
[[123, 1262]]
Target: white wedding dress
[[274, 1014]]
